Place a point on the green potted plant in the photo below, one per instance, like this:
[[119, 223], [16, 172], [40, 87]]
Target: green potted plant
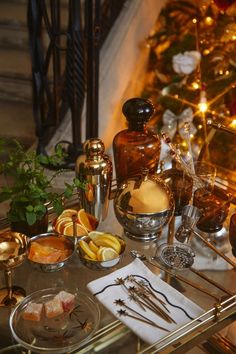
[[28, 187]]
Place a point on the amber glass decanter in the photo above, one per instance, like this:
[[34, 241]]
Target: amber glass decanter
[[136, 148]]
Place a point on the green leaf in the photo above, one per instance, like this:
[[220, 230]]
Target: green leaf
[[58, 206], [40, 207], [68, 192], [43, 159], [31, 218], [30, 208], [79, 184]]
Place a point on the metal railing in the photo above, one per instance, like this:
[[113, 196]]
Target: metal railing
[[65, 65]]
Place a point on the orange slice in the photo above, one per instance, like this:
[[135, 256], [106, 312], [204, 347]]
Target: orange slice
[[60, 224], [84, 220], [69, 231], [106, 254], [93, 221], [67, 212]]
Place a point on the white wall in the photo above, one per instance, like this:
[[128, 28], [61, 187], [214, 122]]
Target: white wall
[[123, 63]]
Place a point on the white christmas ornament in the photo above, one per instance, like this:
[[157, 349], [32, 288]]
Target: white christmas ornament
[[186, 63]]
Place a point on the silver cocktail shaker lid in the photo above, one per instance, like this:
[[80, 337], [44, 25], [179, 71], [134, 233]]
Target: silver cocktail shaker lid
[[95, 168]]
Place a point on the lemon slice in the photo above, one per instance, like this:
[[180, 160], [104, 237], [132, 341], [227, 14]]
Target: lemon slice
[[107, 254], [85, 247], [93, 247], [93, 234], [107, 240]]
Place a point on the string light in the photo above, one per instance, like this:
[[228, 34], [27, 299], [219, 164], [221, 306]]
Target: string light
[[233, 123], [195, 85], [209, 21], [203, 105]]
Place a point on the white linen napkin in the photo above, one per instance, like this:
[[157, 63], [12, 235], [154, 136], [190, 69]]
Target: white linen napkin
[[182, 310]]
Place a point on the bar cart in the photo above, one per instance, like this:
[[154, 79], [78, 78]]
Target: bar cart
[[112, 333]]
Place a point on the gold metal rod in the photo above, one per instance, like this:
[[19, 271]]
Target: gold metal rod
[[194, 325], [108, 327], [171, 231], [157, 310], [203, 276], [105, 330], [220, 126], [227, 259], [149, 291], [179, 277], [74, 218], [170, 240]]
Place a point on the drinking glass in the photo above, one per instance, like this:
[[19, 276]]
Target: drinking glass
[[206, 173], [232, 233], [13, 251], [212, 201], [181, 186]]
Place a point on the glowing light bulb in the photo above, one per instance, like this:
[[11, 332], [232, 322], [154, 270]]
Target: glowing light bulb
[[206, 51], [164, 91], [195, 85], [209, 21], [203, 105], [233, 123]]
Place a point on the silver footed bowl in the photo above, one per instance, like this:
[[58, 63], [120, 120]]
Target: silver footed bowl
[[98, 264], [144, 207], [49, 252]]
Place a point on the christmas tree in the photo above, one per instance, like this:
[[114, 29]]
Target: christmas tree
[[192, 67]]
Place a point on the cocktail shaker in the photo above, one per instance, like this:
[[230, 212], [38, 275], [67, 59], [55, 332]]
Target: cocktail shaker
[[95, 168]]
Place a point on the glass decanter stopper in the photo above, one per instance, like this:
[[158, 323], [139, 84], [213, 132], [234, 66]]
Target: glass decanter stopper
[[136, 148]]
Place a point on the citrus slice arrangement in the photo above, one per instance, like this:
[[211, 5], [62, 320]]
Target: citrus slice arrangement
[[83, 225], [101, 246]]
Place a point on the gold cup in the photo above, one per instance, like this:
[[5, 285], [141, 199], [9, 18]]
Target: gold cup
[[13, 251]]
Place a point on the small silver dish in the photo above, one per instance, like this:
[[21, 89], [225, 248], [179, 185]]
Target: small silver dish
[[99, 265], [176, 256], [49, 252]]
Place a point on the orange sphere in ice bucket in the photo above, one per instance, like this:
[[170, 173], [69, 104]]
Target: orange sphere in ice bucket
[[143, 206], [84, 222]]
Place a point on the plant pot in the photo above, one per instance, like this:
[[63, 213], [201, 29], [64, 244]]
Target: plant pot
[[39, 227]]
